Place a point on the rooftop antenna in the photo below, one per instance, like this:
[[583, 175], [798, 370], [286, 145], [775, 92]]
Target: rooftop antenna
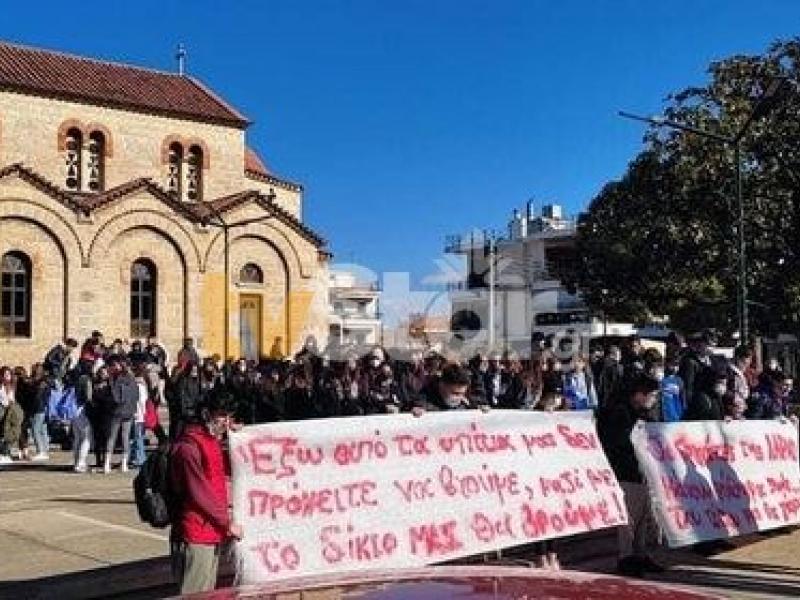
[[181, 56]]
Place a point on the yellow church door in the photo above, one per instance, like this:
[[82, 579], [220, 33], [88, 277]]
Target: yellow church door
[[250, 326]]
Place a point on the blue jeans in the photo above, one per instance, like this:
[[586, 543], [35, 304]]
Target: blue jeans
[[137, 447], [40, 437]]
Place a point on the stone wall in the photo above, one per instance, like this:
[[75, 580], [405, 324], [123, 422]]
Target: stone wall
[[49, 279], [81, 273], [31, 131]]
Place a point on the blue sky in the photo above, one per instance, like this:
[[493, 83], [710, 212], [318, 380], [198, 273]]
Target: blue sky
[[407, 121]]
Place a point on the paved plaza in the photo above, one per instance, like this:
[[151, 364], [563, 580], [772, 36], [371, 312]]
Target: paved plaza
[[78, 536]]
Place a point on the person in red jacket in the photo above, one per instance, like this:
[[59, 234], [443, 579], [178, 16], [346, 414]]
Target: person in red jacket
[[198, 473]]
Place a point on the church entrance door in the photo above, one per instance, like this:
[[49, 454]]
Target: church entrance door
[[250, 326]]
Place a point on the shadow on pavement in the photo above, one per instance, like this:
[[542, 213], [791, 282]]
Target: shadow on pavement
[[31, 466], [92, 500], [720, 575], [95, 583], [139, 580]]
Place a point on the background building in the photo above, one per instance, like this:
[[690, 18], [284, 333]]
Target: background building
[[115, 183], [512, 292], [354, 317]]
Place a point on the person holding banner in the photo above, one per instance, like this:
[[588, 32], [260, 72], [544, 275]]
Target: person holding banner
[[614, 426], [198, 475], [552, 399], [446, 392]]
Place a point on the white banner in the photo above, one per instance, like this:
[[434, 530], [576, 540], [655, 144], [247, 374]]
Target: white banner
[[395, 491], [711, 480]]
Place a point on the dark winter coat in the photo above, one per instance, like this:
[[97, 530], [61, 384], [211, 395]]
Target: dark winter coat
[[614, 426], [125, 392]]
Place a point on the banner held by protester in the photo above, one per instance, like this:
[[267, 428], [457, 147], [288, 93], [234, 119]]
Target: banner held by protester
[[712, 479], [398, 491]]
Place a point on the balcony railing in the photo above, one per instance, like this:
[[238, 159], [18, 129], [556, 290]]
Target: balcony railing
[[538, 228], [513, 275]]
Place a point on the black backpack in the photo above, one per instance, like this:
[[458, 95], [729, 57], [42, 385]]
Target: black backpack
[[152, 491]]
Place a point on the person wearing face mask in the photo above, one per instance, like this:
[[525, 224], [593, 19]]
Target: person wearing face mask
[[768, 401], [198, 474], [708, 400], [446, 392], [383, 397], [579, 385], [614, 426]]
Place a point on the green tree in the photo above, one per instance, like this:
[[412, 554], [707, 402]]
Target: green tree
[[663, 239]]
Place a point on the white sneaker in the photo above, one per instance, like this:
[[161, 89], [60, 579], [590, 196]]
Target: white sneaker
[[80, 468], [40, 457], [16, 454], [5, 460]]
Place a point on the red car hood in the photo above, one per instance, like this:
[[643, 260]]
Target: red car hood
[[463, 583]]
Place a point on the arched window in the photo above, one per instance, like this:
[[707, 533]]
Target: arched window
[[74, 146], [15, 295], [194, 174], [175, 172], [251, 274], [95, 164], [143, 299]]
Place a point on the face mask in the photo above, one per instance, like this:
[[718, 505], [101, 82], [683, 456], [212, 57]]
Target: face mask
[[375, 362], [454, 401], [649, 402], [218, 428], [720, 389], [658, 374]]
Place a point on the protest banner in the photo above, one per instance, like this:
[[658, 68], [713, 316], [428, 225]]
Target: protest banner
[[712, 479], [393, 491]]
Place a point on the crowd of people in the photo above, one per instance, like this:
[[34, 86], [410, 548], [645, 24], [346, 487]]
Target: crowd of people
[[117, 390]]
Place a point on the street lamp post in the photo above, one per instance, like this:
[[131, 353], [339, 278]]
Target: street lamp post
[[492, 292], [765, 104], [226, 227]]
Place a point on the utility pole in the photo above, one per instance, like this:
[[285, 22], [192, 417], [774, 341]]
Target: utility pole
[[492, 300], [226, 227], [764, 105]]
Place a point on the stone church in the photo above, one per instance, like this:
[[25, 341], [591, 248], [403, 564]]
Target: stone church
[[130, 203]]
